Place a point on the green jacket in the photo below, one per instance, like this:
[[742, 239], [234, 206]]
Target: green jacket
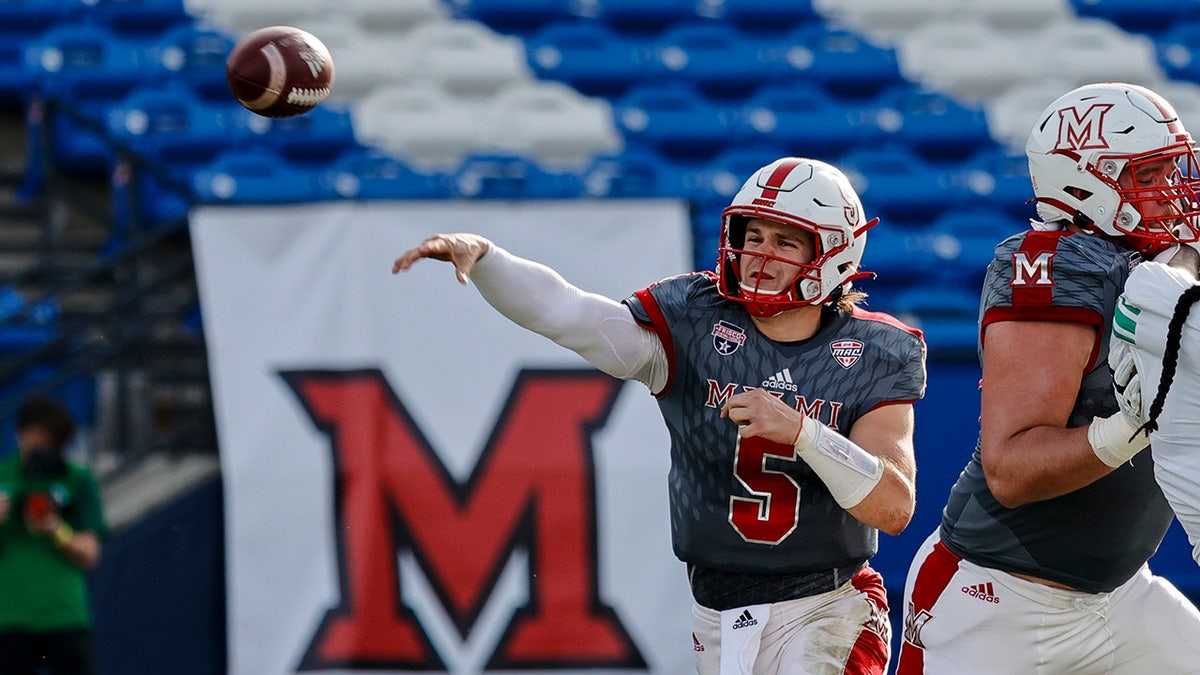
[[40, 590]]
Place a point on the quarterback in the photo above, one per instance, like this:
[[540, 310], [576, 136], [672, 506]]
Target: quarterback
[[789, 408]]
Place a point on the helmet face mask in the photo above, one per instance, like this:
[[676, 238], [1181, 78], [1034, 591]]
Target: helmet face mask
[[812, 196], [1115, 160]]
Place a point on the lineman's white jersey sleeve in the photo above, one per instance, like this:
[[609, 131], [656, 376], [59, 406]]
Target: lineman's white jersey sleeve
[[1142, 315]]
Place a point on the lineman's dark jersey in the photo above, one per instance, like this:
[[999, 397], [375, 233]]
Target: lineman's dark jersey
[[1095, 538], [751, 506]]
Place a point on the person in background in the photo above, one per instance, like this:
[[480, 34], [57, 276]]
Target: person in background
[[790, 412], [51, 526], [1040, 563]]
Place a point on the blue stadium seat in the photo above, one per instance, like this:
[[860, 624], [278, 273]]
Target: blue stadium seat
[[370, 174], [947, 314], [29, 17], [85, 61], [1178, 50], [170, 124], [996, 178], [21, 21], [760, 16], [589, 56], [934, 124], [254, 176], [169, 133], [146, 196], [843, 62], [632, 174], [710, 186], [675, 120], [1139, 16], [81, 70], [985, 225], [896, 184], [192, 55], [717, 59], [24, 326], [803, 119], [523, 17], [898, 255], [145, 17], [320, 135], [638, 16], [499, 176]]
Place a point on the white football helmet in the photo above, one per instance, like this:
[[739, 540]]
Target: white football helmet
[[1084, 140], [813, 196]]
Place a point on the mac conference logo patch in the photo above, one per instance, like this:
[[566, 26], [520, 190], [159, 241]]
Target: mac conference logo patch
[[846, 352]]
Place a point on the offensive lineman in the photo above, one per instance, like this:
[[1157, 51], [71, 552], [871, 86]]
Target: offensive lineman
[[789, 410], [1040, 562]]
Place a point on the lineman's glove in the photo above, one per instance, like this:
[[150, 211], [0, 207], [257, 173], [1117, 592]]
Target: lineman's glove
[[1117, 438], [1126, 383]]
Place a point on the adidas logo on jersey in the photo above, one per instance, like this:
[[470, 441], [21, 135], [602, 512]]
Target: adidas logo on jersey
[[696, 645], [781, 381], [745, 620], [983, 592]]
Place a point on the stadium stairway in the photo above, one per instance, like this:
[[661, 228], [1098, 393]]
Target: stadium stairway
[[65, 298]]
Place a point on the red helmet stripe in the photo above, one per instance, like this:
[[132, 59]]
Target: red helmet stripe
[[780, 174]]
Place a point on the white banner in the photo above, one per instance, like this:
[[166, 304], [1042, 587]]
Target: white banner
[[414, 484]]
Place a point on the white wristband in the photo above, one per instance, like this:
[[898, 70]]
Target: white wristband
[[847, 470], [1110, 439]]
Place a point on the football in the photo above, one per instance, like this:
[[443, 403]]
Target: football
[[279, 71]]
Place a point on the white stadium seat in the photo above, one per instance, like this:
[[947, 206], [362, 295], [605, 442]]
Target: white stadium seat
[[967, 58], [1185, 97], [240, 17], [884, 20], [552, 123], [420, 123], [1016, 13], [363, 61], [1011, 115], [391, 15], [466, 57], [1088, 50]]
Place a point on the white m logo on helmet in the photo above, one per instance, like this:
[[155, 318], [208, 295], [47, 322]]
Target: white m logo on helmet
[[1082, 132]]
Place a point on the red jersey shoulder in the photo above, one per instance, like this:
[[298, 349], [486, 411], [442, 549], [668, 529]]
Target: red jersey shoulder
[[705, 276], [882, 317]]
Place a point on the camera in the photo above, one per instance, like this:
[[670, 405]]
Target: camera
[[45, 463], [37, 503]]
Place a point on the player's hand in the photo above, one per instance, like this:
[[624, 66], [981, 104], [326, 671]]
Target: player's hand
[[5, 507], [758, 413], [462, 249], [42, 525], [1126, 382]]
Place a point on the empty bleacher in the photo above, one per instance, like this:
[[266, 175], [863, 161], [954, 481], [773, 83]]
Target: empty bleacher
[[925, 104]]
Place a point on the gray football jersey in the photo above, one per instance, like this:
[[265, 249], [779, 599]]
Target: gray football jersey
[[749, 505], [1095, 538]]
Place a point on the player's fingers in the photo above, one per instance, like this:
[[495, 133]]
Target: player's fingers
[[435, 247], [464, 262]]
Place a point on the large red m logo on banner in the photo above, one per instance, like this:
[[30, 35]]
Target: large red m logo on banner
[[533, 487]]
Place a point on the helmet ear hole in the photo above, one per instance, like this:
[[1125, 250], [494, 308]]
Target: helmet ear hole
[[737, 231]]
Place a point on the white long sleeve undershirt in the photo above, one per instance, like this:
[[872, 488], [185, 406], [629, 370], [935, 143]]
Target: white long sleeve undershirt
[[597, 328]]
